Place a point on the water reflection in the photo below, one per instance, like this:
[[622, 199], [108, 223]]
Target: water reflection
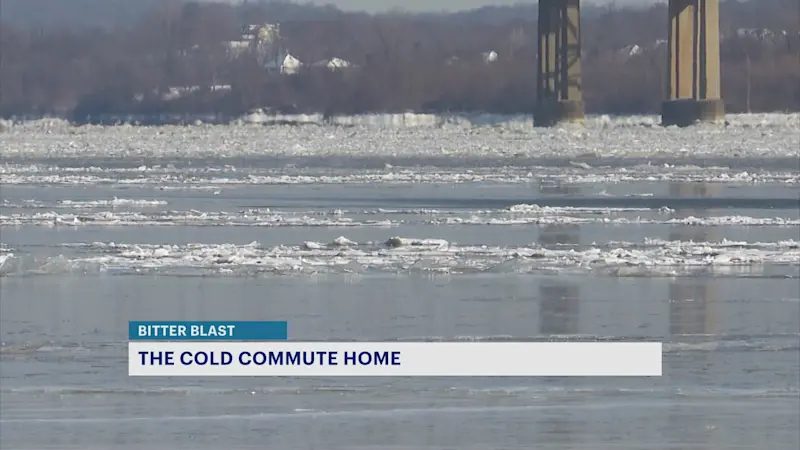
[[558, 235], [558, 431], [692, 234], [686, 189], [692, 190], [550, 186], [690, 311], [693, 322], [695, 428], [559, 308], [559, 301]]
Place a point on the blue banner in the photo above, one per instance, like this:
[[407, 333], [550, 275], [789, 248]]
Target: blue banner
[[207, 331]]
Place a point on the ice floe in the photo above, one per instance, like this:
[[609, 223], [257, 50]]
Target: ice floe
[[337, 218], [406, 255]]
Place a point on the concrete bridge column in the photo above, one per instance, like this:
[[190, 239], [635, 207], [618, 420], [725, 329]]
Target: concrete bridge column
[[693, 74], [559, 94]]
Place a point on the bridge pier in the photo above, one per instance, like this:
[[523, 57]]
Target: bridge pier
[[559, 96], [693, 72]]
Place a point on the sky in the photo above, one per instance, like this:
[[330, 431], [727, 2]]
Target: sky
[[439, 5]]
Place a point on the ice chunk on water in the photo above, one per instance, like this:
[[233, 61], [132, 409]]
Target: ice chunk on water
[[400, 242], [342, 241]]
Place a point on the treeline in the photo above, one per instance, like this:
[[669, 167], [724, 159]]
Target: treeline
[[404, 62]]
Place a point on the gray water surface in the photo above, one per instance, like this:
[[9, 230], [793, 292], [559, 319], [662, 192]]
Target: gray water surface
[[730, 332]]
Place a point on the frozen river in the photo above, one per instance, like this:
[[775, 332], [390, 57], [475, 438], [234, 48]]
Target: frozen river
[[617, 231]]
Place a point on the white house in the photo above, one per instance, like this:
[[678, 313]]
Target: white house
[[333, 64], [285, 65], [489, 57]]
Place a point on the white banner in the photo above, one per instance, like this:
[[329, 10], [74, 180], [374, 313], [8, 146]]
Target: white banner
[[393, 359]]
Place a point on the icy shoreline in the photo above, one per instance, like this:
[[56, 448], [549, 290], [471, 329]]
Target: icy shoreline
[[392, 120], [415, 140]]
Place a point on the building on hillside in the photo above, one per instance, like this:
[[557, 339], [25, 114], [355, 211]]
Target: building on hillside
[[284, 64], [333, 64], [264, 40], [236, 49]]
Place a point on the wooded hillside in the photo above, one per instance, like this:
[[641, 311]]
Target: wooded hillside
[[123, 59]]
